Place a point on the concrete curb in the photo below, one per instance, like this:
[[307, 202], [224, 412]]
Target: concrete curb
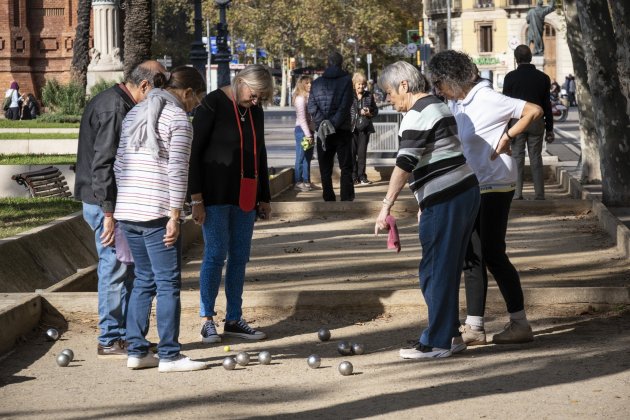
[[607, 220]]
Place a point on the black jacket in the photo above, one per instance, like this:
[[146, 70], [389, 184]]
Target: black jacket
[[367, 101], [531, 85], [99, 135], [331, 98]]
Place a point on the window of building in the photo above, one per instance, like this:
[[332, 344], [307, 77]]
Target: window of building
[[484, 32]]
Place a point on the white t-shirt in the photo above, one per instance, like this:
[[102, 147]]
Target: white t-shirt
[[482, 118]]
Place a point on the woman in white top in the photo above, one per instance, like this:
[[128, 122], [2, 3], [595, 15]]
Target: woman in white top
[[13, 112], [304, 129], [151, 171], [483, 122]]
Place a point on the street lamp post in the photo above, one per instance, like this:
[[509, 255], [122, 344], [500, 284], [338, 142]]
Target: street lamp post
[[356, 51], [222, 57], [198, 54]]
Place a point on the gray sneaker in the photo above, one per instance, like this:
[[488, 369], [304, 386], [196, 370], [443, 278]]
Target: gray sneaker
[[209, 333], [514, 333], [473, 337]]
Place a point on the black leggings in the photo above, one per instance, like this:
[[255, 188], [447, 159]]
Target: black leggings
[[487, 249]]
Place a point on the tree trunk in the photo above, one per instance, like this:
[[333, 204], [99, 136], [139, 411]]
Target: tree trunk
[[81, 46], [621, 17], [612, 122], [589, 142], [138, 34]]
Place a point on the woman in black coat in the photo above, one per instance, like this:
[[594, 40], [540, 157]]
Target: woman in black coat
[[363, 110]]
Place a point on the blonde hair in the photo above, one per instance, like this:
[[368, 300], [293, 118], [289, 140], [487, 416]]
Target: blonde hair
[[259, 79], [300, 89], [358, 77]]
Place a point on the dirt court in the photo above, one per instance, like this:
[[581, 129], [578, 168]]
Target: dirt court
[[577, 367]]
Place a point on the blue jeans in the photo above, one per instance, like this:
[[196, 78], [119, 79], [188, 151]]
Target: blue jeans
[[115, 280], [227, 233], [158, 272], [445, 229], [302, 158]]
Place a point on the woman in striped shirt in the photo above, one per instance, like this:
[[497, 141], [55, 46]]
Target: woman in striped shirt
[[151, 171], [431, 159]]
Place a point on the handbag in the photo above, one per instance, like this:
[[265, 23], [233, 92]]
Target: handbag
[[362, 121], [248, 188], [7, 102]]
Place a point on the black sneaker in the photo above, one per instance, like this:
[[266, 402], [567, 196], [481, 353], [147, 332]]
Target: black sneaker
[[116, 350], [241, 329], [209, 333], [365, 181]]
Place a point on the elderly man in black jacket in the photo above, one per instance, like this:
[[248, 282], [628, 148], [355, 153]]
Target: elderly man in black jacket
[[330, 100], [95, 186], [531, 85]]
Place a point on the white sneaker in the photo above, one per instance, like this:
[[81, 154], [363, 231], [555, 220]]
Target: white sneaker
[[298, 186], [181, 364], [458, 345], [148, 361], [420, 351]]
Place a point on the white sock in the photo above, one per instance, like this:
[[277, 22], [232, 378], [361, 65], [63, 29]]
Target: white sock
[[475, 321], [519, 317]]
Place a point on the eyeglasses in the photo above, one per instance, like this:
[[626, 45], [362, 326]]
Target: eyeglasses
[[253, 96]]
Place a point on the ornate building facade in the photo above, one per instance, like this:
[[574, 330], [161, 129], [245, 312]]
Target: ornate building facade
[[489, 30], [36, 39]]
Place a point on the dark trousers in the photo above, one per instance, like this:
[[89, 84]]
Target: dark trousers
[[487, 249], [359, 153], [340, 144]]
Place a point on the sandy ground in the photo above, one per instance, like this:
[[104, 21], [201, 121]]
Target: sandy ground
[[577, 367]]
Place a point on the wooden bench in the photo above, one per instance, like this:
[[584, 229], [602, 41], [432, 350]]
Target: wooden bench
[[47, 182]]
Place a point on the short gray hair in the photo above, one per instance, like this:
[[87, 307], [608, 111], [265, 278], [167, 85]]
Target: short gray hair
[[394, 74], [142, 72]]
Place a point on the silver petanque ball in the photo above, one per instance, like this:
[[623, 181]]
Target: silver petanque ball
[[323, 334], [264, 358], [358, 348], [345, 368], [52, 334], [68, 353], [229, 363], [344, 348], [63, 360], [242, 358], [314, 361]]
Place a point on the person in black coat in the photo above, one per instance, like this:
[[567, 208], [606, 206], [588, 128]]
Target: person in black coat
[[330, 100], [531, 85], [363, 110]]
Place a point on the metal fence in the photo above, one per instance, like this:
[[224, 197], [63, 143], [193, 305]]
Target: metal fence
[[385, 139]]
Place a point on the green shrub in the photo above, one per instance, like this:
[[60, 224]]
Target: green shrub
[[59, 118], [100, 86], [63, 99]]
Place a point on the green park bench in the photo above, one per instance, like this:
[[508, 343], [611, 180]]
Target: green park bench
[[47, 182]]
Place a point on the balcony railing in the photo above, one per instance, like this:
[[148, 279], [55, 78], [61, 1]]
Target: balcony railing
[[436, 7], [483, 4]]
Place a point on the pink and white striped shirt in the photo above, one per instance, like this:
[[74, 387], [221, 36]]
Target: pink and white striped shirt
[[148, 188]]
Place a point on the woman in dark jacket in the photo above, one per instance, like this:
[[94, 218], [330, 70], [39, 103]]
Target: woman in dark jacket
[[363, 110]]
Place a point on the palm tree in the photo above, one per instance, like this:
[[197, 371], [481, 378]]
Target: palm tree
[[80, 54], [138, 34]]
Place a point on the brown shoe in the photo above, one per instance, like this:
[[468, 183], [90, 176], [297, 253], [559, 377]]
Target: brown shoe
[[116, 350], [514, 333], [473, 337]]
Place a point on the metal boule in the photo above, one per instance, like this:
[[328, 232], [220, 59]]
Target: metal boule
[[323, 334], [229, 363], [63, 360], [69, 353], [264, 358], [344, 348], [314, 361], [345, 368], [52, 334], [242, 358], [358, 348]]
